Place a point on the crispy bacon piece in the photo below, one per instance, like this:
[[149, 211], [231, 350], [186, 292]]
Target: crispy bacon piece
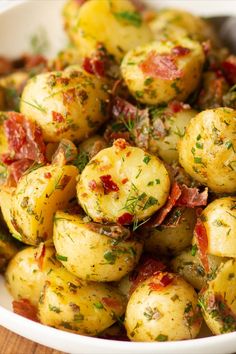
[[108, 184], [25, 138], [172, 199], [112, 303], [96, 64], [57, 117], [23, 307], [40, 255], [125, 219], [202, 242], [177, 106], [229, 69], [191, 197], [161, 66], [149, 267], [31, 61], [120, 144], [16, 170], [180, 51], [161, 281]]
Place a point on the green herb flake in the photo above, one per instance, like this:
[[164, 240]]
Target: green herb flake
[[199, 145], [194, 250], [197, 160], [150, 202], [98, 305], [110, 257], [146, 159], [78, 317], [148, 81], [81, 161], [161, 338], [132, 18], [61, 258], [54, 308]]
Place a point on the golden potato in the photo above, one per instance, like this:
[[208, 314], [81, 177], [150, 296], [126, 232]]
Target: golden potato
[[123, 184], [66, 104], [163, 308], [217, 300], [3, 138], [219, 219], [8, 248], [167, 127], [173, 23], [168, 240], [160, 72], [207, 150], [38, 195], [117, 26], [94, 251], [27, 272], [188, 264], [85, 308]]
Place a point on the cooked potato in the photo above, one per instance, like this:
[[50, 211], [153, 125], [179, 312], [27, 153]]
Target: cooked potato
[[3, 138], [66, 104], [219, 219], [174, 23], [160, 72], [38, 195], [207, 150], [86, 308], [117, 26], [188, 264], [93, 145], [217, 300], [169, 239], [163, 308], [27, 272], [94, 251], [8, 247], [123, 184], [167, 127], [67, 57]]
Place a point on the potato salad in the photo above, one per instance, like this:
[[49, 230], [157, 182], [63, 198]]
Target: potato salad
[[118, 176]]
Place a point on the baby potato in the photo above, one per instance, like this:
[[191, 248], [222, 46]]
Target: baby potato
[[8, 248], [94, 251], [67, 104], [160, 72], [173, 23], [38, 195], [85, 308], [117, 26], [207, 150], [163, 308], [219, 219], [217, 300], [93, 145], [188, 264], [172, 125], [3, 139], [168, 239], [27, 271], [123, 184]]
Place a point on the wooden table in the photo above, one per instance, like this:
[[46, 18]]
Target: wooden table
[[11, 343]]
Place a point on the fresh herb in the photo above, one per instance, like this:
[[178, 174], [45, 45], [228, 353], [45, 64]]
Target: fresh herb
[[146, 159], [39, 42], [194, 250], [35, 105], [148, 81], [78, 317], [151, 314], [98, 305], [110, 257], [150, 202], [61, 258], [81, 160], [161, 338], [197, 160], [130, 17], [54, 308]]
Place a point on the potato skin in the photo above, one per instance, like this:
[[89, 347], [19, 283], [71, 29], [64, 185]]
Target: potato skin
[[37, 197], [91, 251], [173, 23], [70, 304], [155, 75], [163, 314], [25, 278], [174, 124], [188, 264], [219, 219], [69, 104], [217, 300], [110, 27], [169, 240], [136, 191], [207, 150]]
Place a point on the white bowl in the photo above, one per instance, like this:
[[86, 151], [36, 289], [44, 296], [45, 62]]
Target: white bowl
[[19, 21]]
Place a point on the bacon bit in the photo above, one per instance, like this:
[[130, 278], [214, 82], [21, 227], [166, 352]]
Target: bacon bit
[[57, 117], [108, 184], [162, 213], [229, 69], [16, 171], [94, 66], [180, 51], [128, 154], [25, 138], [92, 185], [120, 144], [176, 106], [31, 61], [112, 303], [69, 96], [191, 197], [161, 281], [124, 180], [125, 219], [23, 307], [111, 136], [202, 241], [40, 255], [80, 2], [47, 175], [161, 66], [63, 80], [150, 267]]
